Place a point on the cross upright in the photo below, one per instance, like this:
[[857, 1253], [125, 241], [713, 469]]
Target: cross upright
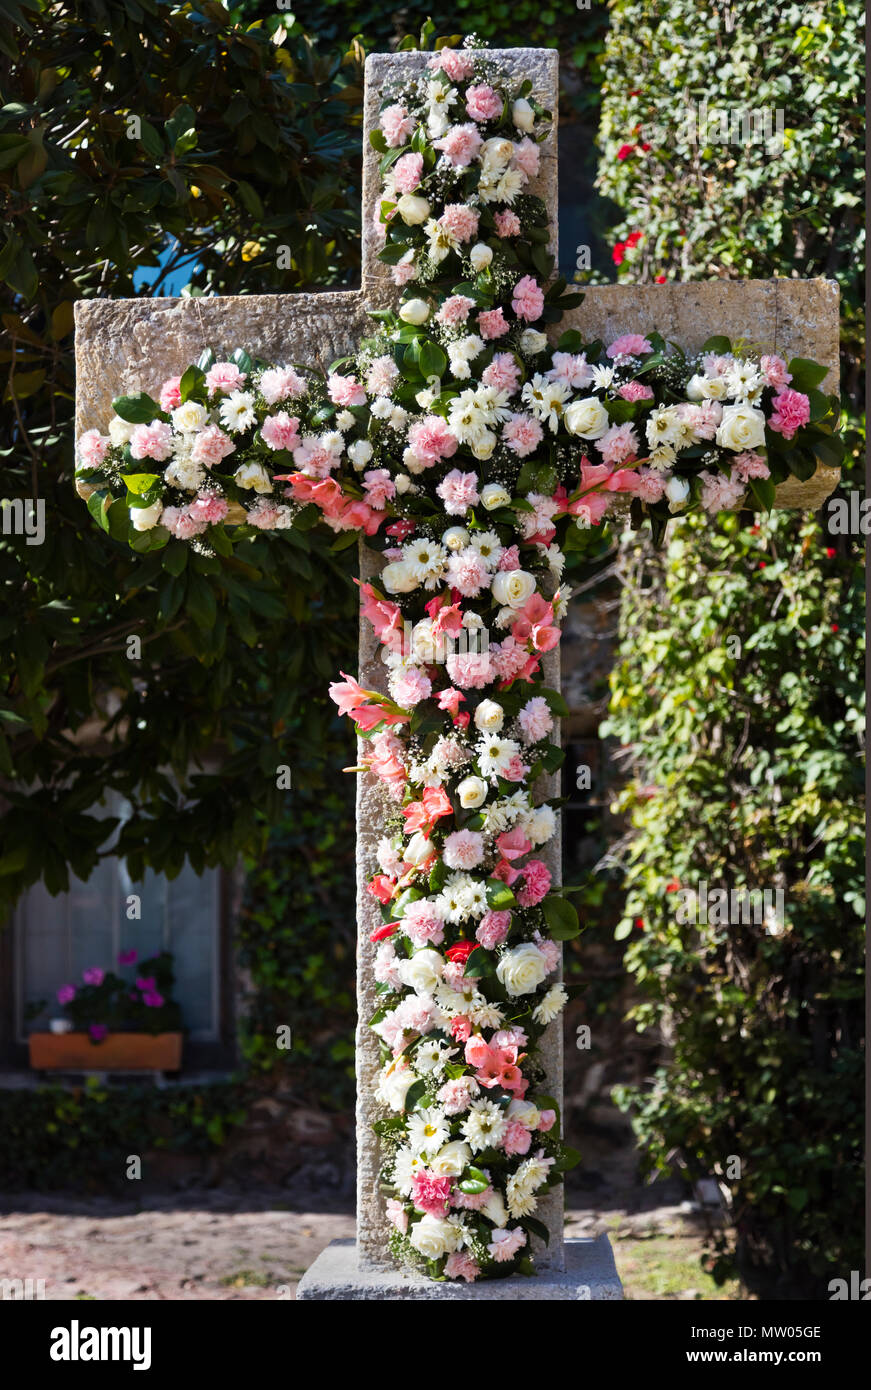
[[128, 345]]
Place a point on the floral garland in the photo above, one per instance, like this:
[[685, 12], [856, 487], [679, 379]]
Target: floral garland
[[474, 457]]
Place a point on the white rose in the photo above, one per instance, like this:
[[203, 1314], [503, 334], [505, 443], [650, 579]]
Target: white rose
[[455, 538], [484, 446], [398, 578], [412, 462], [524, 1113], [190, 416], [496, 151], [588, 418], [422, 972], [706, 388], [472, 793], [414, 311], [120, 430], [418, 849], [425, 398], [450, 1161], [412, 209], [677, 490], [489, 717], [403, 483], [513, 587], [433, 1237], [480, 256], [531, 341], [494, 495], [494, 1209], [144, 518], [522, 969], [253, 475], [394, 1087], [360, 452], [742, 427], [522, 114]]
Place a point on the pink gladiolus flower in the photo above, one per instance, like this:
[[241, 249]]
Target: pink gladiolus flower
[[482, 103], [449, 699], [513, 843], [528, 299], [347, 694]]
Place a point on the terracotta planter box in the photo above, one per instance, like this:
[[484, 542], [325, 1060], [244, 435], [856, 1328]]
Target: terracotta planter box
[[117, 1052]]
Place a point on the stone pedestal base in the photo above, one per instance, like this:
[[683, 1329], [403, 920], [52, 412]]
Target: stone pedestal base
[[590, 1274]]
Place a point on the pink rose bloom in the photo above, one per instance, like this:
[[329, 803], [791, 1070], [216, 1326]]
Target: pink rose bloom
[[460, 1264], [719, 493], [93, 975], [535, 719], [170, 393], [618, 444], [536, 883], [430, 1194], [396, 124], [212, 445], [454, 310], [460, 145], [570, 368], [454, 1096], [210, 508], [66, 994], [516, 1139], [792, 411], [546, 1120], [152, 441], [470, 670], [93, 447], [411, 687], [224, 376], [528, 300], [775, 371], [345, 390], [629, 345], [458, 490], [750, 465], [397, 1215], [468, 572], [430, 440], [460, 221], [507, 223], [510, 558], [279, 383], [635, 391], [649, 485], [482, 103], [280, 431], [463, 849], [522, 434], [458, 63], [492, 929], [379, 487], [382, 376], [407, 171], [503, 373], [527, 157], [491, 324], [505, 1244]]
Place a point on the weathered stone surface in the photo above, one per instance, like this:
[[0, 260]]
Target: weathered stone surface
[[589, 1275], [795, 318]]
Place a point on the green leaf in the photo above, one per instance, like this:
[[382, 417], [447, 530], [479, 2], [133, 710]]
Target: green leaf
[[561, 918], [200, 601], [139, 483], [138, 409], [806, 374], [415, 1092], [764, 491], [431, 360], [717, 344], [192, 382], [499, 895]]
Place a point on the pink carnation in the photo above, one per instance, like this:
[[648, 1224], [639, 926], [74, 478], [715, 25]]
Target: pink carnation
[[618, 444], [181, 524], [430, 1194], [430, 440], [460, 221], [224, 376], [470, 670], [522, 434], [210, 508], [152, 441], [345, 390], [506, 1243], [458, 63], [510, 558], [535, 719], [396, 124], [509, 658], [93, 447], [635, 391], [719, 493], [536, 883], [170, 393], [503, 373], [407, 171], [280, 431], [279, 383], [458, 490], [455, 310], [459, 1264], [397, 1215], [467, 572], [382, 376], [411, 687], [492, 929], [775, 371], [527, 157], [460, 145], [516, 1139], [750, 465], [463, 849], [649, 485], [454, 1096], [492, 324], [528, 300], [629, 345], [546, 1120], [379, 488], [570, 368], [402, 273], [482, 103], [792, 411], [507, 223], [422, 924], [212, 445]]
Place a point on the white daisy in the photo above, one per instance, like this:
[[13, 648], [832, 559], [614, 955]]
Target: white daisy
[[237, 411], [428, 1130], [546, 399], [484, 1126], [489, 547], [495, 755], [405, 1165]]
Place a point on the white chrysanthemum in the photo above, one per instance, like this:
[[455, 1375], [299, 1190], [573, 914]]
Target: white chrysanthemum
[[405, 1165], [539, 826], [432, 1055], [441, 241], [663, 426], [428, 1130], [503, 814], [426, 559], [345, 420], [495, 755], [510, 184], [184, 474], [484, 1126], [237, 411], [485, 1014], [603, 377], [556, 560], [398, 418], [662, 458], [520, 1203], [546, 399], [381, 408], [489, 547], [551, 1005]]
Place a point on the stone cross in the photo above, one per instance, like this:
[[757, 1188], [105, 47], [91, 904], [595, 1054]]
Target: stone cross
[[128, 345]]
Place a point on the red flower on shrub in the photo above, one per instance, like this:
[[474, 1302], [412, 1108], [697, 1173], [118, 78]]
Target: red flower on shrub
[[625, 151], [619, 252]]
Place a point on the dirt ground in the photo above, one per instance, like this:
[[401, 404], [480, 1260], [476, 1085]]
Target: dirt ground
[[219, 1244]]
